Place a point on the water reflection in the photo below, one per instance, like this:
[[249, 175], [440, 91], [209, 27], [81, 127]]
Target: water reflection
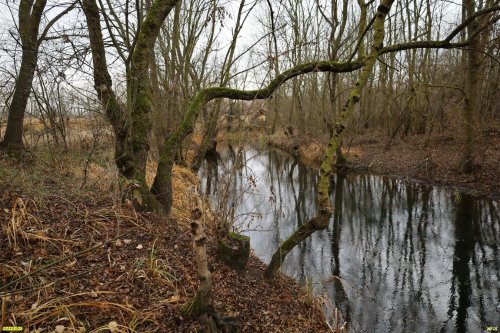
[[396, 257]]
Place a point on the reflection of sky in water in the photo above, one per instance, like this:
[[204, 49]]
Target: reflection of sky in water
[[410, 258]]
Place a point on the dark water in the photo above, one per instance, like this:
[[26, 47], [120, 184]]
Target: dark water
[[397, 256]]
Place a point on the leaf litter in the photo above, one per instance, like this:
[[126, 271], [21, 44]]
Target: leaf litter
[[138, 277]]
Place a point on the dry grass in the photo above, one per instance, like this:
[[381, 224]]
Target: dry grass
[[82, 134], [313, 152], [136, 275], [73, 259], [321, 302], [54, 297], [15, 229], [197, 138], [308, 149], [185, 188], [284, 142], [61, 307]]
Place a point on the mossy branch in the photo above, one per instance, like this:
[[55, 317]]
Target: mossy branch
[[162, 183], [324, 210], [319, 222]]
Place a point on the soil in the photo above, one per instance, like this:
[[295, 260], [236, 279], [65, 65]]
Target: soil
[[432, 160], [137, 280]]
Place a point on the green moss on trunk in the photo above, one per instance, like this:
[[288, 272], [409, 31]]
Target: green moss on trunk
[[322, 218], [319, 222], [162, 182], [235, 251]]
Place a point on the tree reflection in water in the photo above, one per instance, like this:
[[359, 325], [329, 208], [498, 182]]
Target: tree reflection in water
[[397, 256]]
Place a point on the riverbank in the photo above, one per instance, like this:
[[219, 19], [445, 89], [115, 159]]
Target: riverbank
[[382, 229], [87, 263], [433, 160]]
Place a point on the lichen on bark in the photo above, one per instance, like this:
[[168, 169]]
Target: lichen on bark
[[131, 122], [324, 209]]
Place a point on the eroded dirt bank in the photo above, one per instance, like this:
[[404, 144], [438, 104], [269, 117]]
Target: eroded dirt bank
[[434, 160]]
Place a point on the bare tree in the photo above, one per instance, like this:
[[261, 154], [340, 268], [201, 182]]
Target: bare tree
[[29, 18], [162, 182], [472, 65], [131, 122]]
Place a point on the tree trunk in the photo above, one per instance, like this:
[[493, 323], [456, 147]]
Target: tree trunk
[[13, 139], [333, 79], [29, 21], [324, 210], [473, 64], [132, 123], [203, 299]]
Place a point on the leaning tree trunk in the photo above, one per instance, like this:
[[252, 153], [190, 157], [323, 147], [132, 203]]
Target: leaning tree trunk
[[324, 210], [162, 185], [29, 21]]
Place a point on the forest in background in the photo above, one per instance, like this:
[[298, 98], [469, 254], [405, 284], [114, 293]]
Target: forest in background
[[417, 91], [154, 83]]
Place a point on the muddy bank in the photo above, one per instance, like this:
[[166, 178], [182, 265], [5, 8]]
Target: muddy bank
[[433, 160]]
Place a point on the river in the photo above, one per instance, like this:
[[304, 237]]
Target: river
[[398, 256]]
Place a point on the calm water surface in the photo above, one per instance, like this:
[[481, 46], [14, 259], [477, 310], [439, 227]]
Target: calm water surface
[[397, 256]]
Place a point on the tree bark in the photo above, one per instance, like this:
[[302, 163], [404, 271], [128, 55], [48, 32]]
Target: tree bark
[[472, 66], [324, 210], [141, 107], [29, 21], [203, 299], [131, 123]]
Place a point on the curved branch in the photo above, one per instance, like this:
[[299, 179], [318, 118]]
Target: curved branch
[[162, 182], [471, 18], [208, 94], [49, 25], [445, 43]]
